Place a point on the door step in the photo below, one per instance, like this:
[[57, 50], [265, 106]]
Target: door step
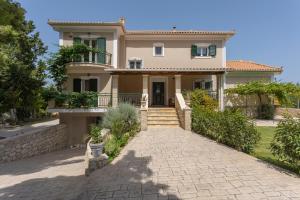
[[158, 117]]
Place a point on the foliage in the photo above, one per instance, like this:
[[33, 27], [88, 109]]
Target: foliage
[[237, 131], [286, 142], [121, 120], [112, 147], [22, 73], [263, 151], [266, 111], [95, 134], [200, 97], [275, 89], [86, 99], [230, 127], [59, 60]]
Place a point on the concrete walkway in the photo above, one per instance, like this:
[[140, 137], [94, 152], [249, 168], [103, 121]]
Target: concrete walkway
[[170, 163], [58, 175]]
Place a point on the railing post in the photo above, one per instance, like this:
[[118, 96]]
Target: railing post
[[115, 90], [177, 83]]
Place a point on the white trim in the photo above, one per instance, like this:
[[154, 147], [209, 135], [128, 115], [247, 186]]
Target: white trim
[[61, 38], [115, 50], [88, 78], [164, 79], [159, 44]]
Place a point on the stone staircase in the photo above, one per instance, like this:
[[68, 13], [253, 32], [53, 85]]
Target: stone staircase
[[162, 117]]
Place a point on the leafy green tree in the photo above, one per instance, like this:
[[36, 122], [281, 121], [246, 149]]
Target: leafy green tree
[[22, 73]]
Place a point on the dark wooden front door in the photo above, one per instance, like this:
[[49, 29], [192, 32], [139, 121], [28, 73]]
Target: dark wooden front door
[[158, 94]]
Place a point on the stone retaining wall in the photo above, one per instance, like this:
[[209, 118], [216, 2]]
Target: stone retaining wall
[[292, 111], [33, 143]]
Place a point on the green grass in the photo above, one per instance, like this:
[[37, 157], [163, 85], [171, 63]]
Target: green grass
[[263, 152]]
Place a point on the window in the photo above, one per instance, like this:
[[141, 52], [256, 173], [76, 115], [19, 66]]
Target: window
[[203, 84], [158, 49], [135, 63], [202, 50], [85, 84], [87, 57]]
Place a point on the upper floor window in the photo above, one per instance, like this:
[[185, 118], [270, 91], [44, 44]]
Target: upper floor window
[[203, 51], [158, 49], [135, 63]]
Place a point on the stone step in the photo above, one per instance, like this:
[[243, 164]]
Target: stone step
[[163, 122], [175, 117], [162, 114], [158, 126], [163, 111]]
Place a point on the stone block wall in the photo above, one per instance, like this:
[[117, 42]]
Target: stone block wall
[[294, 112], [33, 143]]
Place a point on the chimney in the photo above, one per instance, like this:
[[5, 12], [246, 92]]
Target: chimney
[[122, 20]]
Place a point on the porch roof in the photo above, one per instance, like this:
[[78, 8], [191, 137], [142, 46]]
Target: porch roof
[[168, 70]]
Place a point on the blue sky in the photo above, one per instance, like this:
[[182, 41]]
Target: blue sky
[[268, 31]]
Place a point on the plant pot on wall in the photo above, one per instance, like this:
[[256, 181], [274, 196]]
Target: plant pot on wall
[[97, 149]]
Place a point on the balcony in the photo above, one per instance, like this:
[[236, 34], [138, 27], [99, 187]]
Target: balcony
[[90, 62]]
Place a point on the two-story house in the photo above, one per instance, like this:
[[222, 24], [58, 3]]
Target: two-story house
[[148, 68]]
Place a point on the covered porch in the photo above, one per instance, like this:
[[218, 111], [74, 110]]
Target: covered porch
[[160, 89]]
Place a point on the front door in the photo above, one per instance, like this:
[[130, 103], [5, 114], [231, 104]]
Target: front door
[[158, 94]]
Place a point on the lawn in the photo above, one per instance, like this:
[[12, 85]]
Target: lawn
[[262, 150]]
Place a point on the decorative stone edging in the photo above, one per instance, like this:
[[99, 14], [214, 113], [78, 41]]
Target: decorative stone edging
[[93, 163]]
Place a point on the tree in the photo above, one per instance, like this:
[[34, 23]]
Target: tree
[[22, 73], [58, 61]]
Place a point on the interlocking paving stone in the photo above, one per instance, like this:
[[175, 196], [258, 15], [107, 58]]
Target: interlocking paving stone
[[170, 163]]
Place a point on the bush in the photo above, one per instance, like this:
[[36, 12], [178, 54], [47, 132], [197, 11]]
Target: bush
[[201, 98], [121, 120], [230, 127], [237, 131], [286, 142], [95, 134], [266, 111], [112, 147]]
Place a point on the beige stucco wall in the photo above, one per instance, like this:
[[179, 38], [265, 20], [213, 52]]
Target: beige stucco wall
[[104, 84], [177, 53], [68, 38], [235, 78]]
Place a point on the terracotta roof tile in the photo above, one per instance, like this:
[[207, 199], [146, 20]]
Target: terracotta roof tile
[[241, 65]]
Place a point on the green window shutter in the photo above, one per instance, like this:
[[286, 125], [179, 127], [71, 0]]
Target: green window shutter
[[212, 50], [76, 85], [101, 45], [76, 40], [194, 50]]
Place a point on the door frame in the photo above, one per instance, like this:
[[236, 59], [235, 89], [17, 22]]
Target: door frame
[[163, 79]]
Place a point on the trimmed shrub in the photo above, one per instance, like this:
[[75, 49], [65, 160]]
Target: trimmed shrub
[[230, 127], [200, 97], [237, 131], [286, 142]]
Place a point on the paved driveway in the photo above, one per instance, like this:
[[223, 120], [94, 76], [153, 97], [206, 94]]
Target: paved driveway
[[57, 175], [170, 163]]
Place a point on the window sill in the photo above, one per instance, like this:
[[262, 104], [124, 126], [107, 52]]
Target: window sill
[[158, 55], [203, 57]]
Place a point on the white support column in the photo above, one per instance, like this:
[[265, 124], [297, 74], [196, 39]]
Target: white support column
[[61, 39], [115, 90], [221, 87], [177, 83], [115, 50], [145, 88]]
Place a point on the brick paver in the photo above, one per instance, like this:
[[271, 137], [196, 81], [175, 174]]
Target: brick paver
[[170, 163]]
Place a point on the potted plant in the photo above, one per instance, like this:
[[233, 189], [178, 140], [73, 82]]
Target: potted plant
[[96, 142]]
